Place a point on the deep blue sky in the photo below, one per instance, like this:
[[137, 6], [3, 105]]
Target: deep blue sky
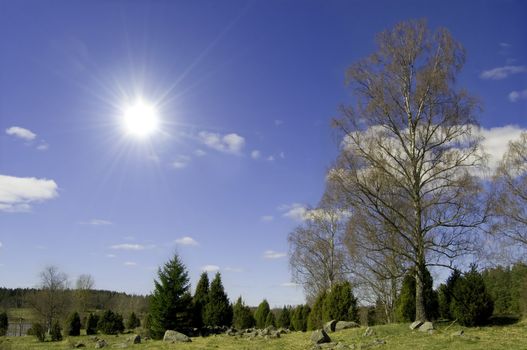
[[271, 72]]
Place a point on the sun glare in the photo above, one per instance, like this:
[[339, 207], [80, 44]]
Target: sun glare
[[140, 119]]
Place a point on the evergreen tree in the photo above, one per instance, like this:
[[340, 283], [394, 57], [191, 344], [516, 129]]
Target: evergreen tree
[[445, 294], [340, 304], [73, 325], [405, 304], [261, 314], [218, 310], [4, 323], [316, 317], [91, 324], [284, 319], [171, 302], [56, 331], [242, 315], [133, 321], [270, 320], [110, 323], [38, 331], [200, 299], [471, 303]]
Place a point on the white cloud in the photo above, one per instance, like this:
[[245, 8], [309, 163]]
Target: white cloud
[[43, 146], [229, 143], [496, 141], [233, 269], [22, 133], [270, 158], [111, 256], [186, 241], [515, 96], [181, 162], [499, 73], [271, 254], [278, 122], [131, 246], [210, 268], [96, 222], [295, 211], [200, 153], [267, 218], [130, 263], [255, 154], [17, 193], [290, 285], [1, 245], [282, 155]]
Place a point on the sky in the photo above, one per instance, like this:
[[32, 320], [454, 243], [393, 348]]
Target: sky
[[244, 91]]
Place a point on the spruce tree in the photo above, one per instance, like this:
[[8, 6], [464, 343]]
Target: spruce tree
[[316, 317], [133, 321], [56, 331], [261, 314], [445, 294], [4, 323], [73, 325], [200, 299], [170, 303], [340, 304], [218, 310], [110, 323], [405, 304], [242, 315], [284, 319], [270, 320], [91, 324]]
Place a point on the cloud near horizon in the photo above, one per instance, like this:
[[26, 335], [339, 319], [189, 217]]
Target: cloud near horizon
[[271, 254], [131, 246], [210, 268], [186, 241], [18, 193]]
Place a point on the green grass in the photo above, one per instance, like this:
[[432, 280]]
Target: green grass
[[397, 337]]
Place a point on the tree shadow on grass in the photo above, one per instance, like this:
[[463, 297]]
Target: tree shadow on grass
[[503, 320]]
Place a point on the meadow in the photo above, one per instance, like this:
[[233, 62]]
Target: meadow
[[396, 337]]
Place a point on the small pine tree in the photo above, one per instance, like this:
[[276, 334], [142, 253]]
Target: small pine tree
[[242, 315], [133, 321], [340, 304], [110, 323], [218, 311], [284, 319], [471, 303], [270, 320], [38, 331], [4, 324], [405, 304], [261, 314], [73, 325], [171, 303], [316, 317], [200, 299], [445, 294], [56, 331], [91, 324]]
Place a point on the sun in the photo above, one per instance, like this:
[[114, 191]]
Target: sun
[[140, 119]]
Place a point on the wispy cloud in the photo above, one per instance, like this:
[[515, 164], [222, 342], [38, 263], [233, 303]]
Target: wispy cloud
[[515, 96], [230, 143], [130, 263], [186, 241], [233, 269], [43, 146], [111, 256], [181, 162], [255, 154], [271, 254], [200, 153], [18, 193], [278, 122], [290, 285], [210, 268], [267, 218], [294, 211], [499, 73], [20, 132], [1, 245], [131, 246], [270, 158], [96, 222]]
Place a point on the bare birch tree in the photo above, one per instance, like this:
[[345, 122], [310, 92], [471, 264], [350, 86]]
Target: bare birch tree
[[409, 148]]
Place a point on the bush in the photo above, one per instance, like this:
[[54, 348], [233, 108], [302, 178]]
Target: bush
[[4, 324], [299, 318], [91, 324], [56, 331], [270, 320], [315, 319], [110, 323], [471, 303], [38, 331], [73, 325], [445, 294], [284, 319], [133, 321], [405, 304], [340, 304], [261, 314], [242, 315]]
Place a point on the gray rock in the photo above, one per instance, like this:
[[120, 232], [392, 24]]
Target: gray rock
[[79, 345], [416, 324], [100, 343], [320, 336], [175, 337], [330, 326], [368, 332], [427, 326], [345, 325], [135, 339]]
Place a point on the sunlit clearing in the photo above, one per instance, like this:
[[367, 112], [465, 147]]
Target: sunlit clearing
[[140, 119]]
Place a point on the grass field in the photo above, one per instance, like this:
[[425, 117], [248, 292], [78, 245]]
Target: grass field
[[397, 337]]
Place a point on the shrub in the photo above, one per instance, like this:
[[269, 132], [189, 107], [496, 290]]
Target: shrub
[[73, 325], [300, 317], [56, 331], [471, 303], [110, 323], [133, 321], [38, 331], [340, 304], [270, 320], [261, 314], [4, 323], [315, 319], [91, 324], [242, 315], [284, 319]]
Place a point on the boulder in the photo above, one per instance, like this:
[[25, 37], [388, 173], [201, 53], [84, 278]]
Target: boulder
[[416, 324], [175, 337], [330, 326], [427, 326], [368, 332], [320, 337], [100, 343], [345, 325], [135, 339]]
